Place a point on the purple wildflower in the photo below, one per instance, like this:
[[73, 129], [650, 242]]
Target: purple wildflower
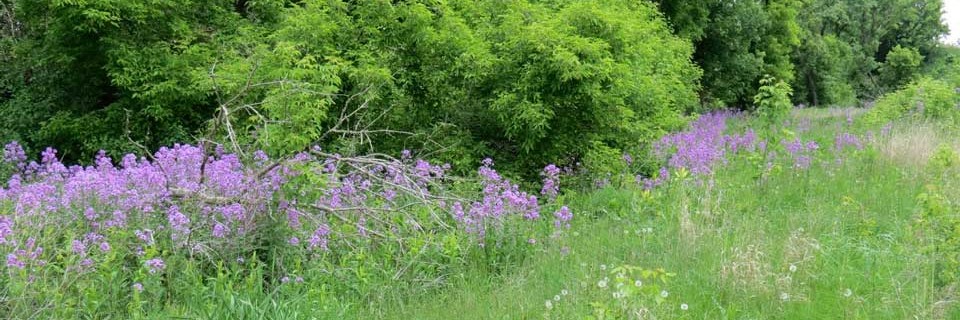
[[178, 222], [78, 247], [13, 261], [13, 153], [801, 152], [219, 230], [319, 237], [6, 229], [845, 140], [700, 147], [551, 181], [155, 264], [563, 217]]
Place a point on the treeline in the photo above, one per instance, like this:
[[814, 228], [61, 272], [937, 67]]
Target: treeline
[[830, 51], [527, 82]]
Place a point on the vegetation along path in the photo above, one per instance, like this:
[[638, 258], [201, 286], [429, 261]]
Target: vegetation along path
[[460, 159], [852, 223]]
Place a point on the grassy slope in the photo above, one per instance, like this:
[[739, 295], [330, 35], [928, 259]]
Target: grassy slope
[[843, 227]]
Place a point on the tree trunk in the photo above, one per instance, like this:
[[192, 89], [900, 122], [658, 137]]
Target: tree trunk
[[812, 86]]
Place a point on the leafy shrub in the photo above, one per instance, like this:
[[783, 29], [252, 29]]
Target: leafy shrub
[[924, 98], [773, 103], [901, 67], [526, 82], [91, 75], [939, 227]]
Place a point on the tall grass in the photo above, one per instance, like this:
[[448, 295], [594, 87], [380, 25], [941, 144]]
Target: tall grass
[[832, 219], [838, 240]]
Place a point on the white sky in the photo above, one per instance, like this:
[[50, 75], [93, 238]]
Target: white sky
[[951, 16]]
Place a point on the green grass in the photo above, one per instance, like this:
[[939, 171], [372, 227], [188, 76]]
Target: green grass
[[848, 229]]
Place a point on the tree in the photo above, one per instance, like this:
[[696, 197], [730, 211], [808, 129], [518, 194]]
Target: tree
[[737, 42], [91, 75], [901, 67], [845, 46], [525, 82]]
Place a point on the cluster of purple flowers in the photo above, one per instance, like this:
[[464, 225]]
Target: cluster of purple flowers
[[501, 198], [705, 144], [846, 140], [147, 196], [357, 192], [155, 265], [700, 148], [30, 253], [801, 152], [551, 181], [737, 142], [562, 217], [184, 200]]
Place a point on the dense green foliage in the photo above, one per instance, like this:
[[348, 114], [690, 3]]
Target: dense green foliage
[[845, 47], [737, 43], [529, 82], [832, 52], [89, 75], [926, 98], [902, 66], [773, 103], [315, 159]]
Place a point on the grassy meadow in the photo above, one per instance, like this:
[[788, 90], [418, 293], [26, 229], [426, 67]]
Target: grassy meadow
[[822, 217], [842, 239]]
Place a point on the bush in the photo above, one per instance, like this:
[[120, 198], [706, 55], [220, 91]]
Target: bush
[[525, 82], [773, 103], [924, 98], [902, 66]]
